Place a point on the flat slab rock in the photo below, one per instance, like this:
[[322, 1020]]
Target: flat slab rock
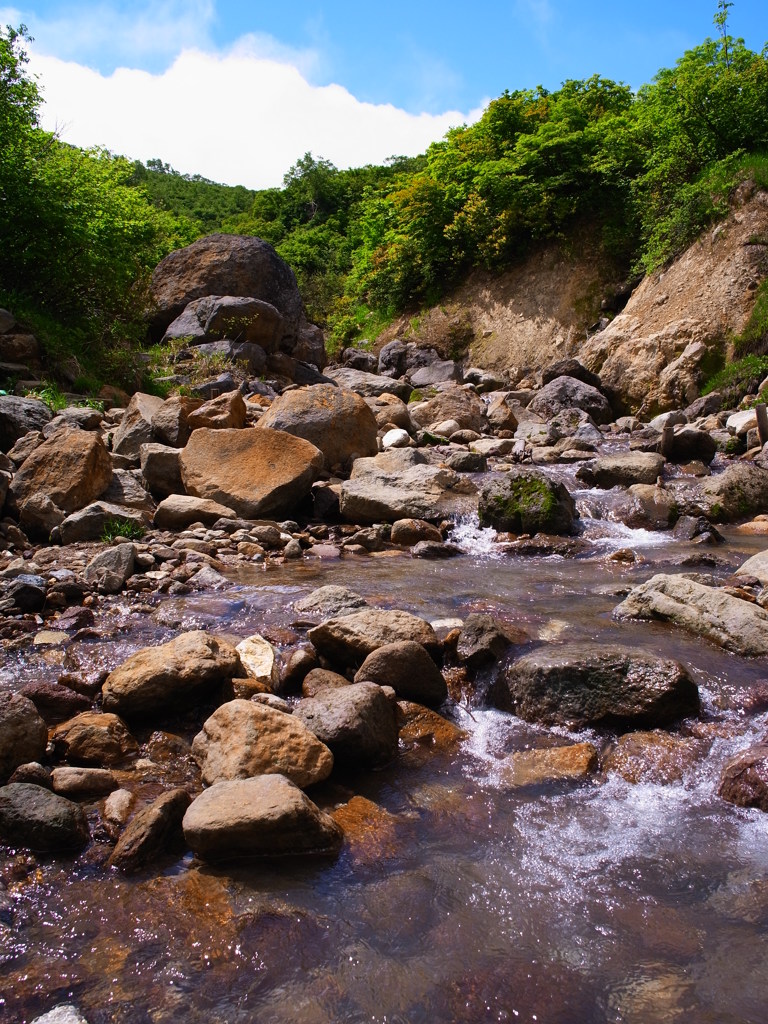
[[736, 625], [266, 816], [590, 684]]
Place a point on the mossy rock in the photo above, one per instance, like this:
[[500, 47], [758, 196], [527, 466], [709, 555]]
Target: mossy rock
[[527, 501]]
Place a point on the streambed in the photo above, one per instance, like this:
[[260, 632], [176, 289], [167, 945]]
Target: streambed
[[463, 900]]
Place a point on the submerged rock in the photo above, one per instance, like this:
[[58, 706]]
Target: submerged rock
[[266, 816], [550, 764], [728, 621], [330, 601], [745, 778], [652, 756], [591, 684]]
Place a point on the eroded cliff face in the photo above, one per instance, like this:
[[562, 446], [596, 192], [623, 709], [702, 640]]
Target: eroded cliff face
[[654, 353], [653, 356]]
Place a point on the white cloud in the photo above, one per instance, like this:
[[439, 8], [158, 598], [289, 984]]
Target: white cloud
[[243, 117]]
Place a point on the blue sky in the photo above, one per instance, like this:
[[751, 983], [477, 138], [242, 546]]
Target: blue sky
[[238, 91]]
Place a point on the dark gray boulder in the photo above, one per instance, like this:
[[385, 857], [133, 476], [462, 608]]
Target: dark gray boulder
[[358, 723], [18, 416], [38, 819], [567, 393], [408, 669]]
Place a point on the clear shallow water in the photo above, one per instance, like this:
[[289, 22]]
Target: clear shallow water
[[603, 902]]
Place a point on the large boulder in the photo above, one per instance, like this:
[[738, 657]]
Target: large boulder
[[265, 816], [741, 491], [210, 319], [369, 385], [621, 470], [349, 639], [242, 739], [568, 393], [254, 472], [34, 817], [23, 734], [227, 411], [527, 501], [357, 722], [231, 265], [402, 484], [161, 469], [136, 427], [333, 419], [728, 621], [408, 669], [175, 674], [594, 684], [459, 404], [72, 468], [19, 416], [570, 368]]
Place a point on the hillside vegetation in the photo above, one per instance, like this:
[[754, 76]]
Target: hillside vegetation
[[646, 170]]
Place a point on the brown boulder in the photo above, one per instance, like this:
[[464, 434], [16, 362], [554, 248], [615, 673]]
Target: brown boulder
[[253, 472], [170, 424], [242, 739], [408, 669], [150, 832], [136, 425], [94, 739], [72, 468], [178, 511], [223, 265], [175, 674], [745, 778], [335, 420], [652, 756], [226, 411], [265, 816], [465, 407], [349, 639], [552, 764], [23, 735]]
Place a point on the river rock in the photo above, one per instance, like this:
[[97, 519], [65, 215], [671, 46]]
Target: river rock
[[110, 569], [170, 423], [741, 491], [527, 501], [756, 566], [389, 410], [72, 468], [357, 722], [150, 832], [570, 368], [54, 702], [82, 782], [23, 733], [264, 816], [254, 472], [225, 412], [223, 265], [459, 404], [549, 764], [653, 756], [178, 511], [728, 621], [589, 684], [369, 385], [38, 819], [412, 531], [349, 639], [689, 444], [333, 419], [318, 679], [744, 780], [258, 658], [136, 425], [243, 738], [400, 484], [89, 523], [93, 738], [19, 416], [567, 393], [176, 674], [621, 470], [408, 669], [482, 641]]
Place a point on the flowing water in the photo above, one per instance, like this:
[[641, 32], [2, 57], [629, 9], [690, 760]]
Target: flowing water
[[465, 901]]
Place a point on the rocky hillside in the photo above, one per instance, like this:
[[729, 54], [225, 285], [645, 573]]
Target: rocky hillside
[[653, 355]]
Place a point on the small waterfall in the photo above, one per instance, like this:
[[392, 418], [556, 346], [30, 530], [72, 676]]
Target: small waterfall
[[473, 539]]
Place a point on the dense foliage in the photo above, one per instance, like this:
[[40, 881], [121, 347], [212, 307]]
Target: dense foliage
[[645, 172]]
